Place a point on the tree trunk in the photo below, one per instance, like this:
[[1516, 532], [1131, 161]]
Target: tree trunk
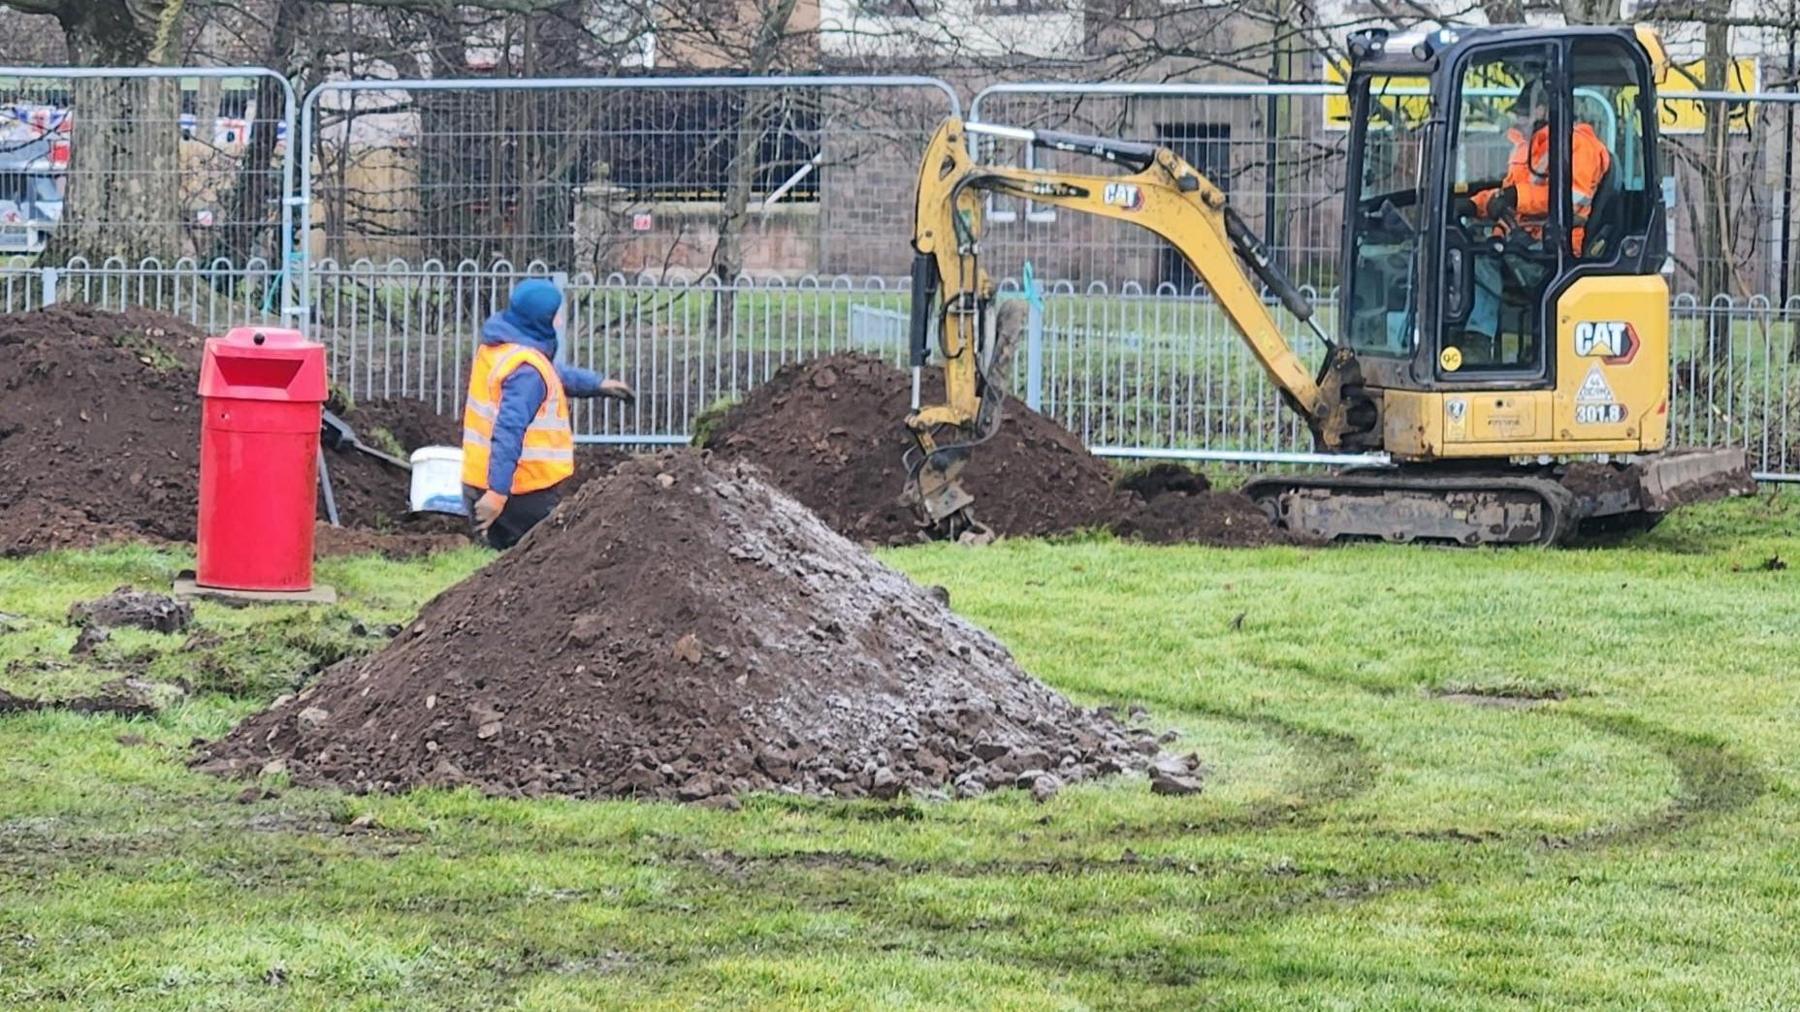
[[450, 172], [110, 33], [123, 195], [741, 176], [1715, 239], [124, 177], [253, 206], [728, 253]]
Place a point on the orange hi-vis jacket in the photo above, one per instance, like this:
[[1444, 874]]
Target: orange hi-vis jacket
[[1530, 177], [548, 456], [1588, 162]]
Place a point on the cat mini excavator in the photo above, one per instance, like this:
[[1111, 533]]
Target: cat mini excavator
[[1503, 314]]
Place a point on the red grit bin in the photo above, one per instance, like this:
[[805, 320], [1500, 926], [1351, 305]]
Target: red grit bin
[[261, 389]]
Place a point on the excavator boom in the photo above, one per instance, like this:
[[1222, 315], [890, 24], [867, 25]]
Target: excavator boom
[[1161, 193]]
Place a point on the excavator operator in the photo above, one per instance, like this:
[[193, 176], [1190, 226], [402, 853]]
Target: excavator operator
[[1522, 202]]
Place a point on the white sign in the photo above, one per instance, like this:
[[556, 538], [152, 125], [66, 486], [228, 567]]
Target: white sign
[[1599, 414], [1594, 389]]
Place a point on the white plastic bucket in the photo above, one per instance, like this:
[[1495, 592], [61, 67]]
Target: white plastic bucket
[[437, 480]]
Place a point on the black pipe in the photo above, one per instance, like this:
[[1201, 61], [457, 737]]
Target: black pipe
[[924, 293], [1787, 183], [1271, 151]]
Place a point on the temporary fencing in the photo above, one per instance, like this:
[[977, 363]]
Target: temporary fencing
[[425, 201]]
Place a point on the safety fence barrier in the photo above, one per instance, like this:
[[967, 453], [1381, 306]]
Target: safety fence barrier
[[1132, 371], [419, 198]]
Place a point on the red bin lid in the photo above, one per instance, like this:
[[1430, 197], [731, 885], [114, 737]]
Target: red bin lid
[[263, 364]]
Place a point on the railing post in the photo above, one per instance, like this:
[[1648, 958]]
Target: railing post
[[1034, 341], [48, 277]]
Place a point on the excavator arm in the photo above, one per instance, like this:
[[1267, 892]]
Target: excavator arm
[[1162, 193]]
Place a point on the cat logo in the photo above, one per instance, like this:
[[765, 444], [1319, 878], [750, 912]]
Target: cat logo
[[1125, 195], [1614, 342]]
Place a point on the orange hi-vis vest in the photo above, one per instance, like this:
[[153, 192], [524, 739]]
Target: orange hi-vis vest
[[548, 456]]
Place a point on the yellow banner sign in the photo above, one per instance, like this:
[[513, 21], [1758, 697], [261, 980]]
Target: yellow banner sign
[[1681, 116], [1405, 97]]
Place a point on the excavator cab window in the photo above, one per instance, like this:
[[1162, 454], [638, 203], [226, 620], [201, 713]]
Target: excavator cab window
[[1500, 253], [1386, 221], [1615, 198]]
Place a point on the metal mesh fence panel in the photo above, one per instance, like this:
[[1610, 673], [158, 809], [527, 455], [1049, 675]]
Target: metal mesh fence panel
[[670, 178], [142, 164], [1254, 141]]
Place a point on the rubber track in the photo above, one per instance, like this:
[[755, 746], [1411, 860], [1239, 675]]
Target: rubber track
[[1558, 502]]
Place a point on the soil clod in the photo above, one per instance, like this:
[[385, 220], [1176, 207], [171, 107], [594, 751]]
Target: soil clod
[[135, 609], [1176, 775]]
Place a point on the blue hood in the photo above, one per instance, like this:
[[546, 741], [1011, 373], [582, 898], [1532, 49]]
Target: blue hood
[[528, 319]]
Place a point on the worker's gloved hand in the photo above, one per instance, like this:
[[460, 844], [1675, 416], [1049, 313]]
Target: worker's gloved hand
[[487, 509], [1504, 204], [617, 390]]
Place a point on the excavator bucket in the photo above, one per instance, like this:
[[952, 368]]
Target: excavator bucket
[[945, 507], [1640, 494]]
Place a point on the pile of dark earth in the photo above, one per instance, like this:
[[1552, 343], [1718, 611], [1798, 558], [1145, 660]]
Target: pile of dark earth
[[680, 629], [100, 436], [830, 433]]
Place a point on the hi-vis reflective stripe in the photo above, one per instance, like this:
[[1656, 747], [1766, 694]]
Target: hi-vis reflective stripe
[[471, 436], [483, 410], [541, 453]]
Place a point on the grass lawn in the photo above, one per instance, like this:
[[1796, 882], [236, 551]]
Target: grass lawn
[[1440, 779]]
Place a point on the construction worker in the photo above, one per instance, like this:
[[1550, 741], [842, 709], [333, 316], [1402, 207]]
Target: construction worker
[[518, 447], [1523, 197], [1522, 200]]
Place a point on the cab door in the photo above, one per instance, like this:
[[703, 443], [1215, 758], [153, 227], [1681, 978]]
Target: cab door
[[1498, 248]]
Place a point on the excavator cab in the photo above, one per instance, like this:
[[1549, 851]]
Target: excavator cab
[[1504, 188], [1503, 342]]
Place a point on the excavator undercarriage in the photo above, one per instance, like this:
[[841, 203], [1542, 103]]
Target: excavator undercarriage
[[1526, 505]]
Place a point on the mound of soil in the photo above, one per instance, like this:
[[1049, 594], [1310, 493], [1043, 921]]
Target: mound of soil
[[679, 629], [830, 433], [100, 435], [1181, 507]]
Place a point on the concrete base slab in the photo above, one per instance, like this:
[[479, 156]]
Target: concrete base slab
[[185, 587]]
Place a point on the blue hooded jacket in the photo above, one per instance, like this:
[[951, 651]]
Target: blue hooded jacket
[[529, 319]]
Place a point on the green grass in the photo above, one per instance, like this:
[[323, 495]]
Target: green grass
[[1363, 842]]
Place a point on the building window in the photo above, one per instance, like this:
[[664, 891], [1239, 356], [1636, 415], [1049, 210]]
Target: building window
[[898, 8], [679, 146]]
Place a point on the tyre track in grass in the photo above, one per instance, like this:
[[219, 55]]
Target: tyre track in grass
[[1713, 781]]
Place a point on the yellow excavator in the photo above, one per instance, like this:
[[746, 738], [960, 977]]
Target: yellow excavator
[[1503, 312]]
